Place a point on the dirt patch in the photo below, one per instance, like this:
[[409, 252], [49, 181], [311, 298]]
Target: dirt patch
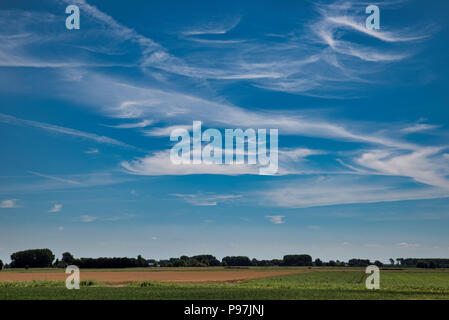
[[113, 277]]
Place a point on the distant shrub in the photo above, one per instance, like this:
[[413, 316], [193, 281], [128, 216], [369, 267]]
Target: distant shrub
[[89, 283], [142, 284]]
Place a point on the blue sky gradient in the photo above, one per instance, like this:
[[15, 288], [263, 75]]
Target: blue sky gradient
[[86, 115]]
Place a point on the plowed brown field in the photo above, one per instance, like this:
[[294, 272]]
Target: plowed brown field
[[121, 277]]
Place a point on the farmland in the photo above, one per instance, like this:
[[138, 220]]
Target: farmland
[[222, 283]]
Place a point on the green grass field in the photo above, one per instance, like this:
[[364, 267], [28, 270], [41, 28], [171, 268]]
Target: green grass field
[[350, 284]]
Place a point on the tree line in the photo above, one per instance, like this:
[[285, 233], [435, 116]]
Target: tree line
[[44, 258]]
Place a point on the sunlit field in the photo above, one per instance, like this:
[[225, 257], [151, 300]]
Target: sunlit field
[[307, 283]]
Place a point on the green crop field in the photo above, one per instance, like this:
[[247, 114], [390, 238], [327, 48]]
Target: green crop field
[[348, 284]]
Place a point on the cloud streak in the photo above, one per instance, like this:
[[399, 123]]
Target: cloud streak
[[340, 190], [62, 130], [207, 199]]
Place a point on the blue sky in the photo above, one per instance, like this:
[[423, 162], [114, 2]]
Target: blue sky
[[86, 115]]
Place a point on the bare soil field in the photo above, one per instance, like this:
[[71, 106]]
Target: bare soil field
[[112, 277]]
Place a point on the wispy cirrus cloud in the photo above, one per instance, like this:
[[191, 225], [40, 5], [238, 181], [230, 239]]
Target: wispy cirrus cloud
[[318, 58], [166, 131], [59, 182], [341, 17], [58, 179], [177, 107], [92, 151], [295, 63], [141, 124], [213, 27], [425, 165], [339, 190], [207, 199], [159, 163], [19, 39], [419, 127], [62, 130], [125, 100], [91, 218]]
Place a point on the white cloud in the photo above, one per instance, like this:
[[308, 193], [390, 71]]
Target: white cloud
[[276, 219], [213, 28], [296, 62], [92, 151], [56, 208], [337, 190], [405, 245], [142, 124], [340, 18], [207, 199], [166, 132], [129, 101], [315, 228], [291, 65], [419, 128], [89, 218], [60, 229], [23, 31], [159, 164], [8, 204], [423, 165], [298, 153]]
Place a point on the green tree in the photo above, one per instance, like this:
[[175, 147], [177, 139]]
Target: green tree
[[378, 263], [1, 265], [35, 258], [67, 258], [359, 262], [207, 260], [297, 260], [152, 262], [141, 261], [392, 261], [238, 261], [318, 262]]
